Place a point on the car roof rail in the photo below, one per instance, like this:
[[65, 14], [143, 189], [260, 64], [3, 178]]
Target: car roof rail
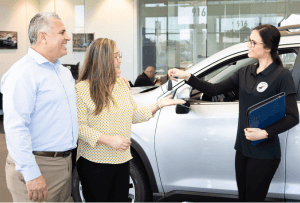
[[284, 30]]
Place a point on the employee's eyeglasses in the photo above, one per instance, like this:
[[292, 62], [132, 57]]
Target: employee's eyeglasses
[[119, 56], [252, 43]]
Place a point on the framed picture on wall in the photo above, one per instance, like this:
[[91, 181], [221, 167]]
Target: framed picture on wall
[[8, 40], [82, 40]]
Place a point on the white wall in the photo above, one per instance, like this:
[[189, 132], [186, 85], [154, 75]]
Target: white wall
[[15, 16], [106, 18], [114, 19], [66, 11]]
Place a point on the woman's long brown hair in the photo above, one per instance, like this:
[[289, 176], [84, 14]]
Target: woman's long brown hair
[[98, 68]]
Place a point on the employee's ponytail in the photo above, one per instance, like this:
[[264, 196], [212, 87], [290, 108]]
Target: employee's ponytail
[[271, 38], [276, 58]]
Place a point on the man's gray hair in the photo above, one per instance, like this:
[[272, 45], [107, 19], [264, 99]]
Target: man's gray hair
[[40, 22]]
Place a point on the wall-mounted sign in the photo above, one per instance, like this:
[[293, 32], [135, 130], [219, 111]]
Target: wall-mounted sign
[[192, 15], [8, 40], [238, 23], [203, 15], [81, 41]]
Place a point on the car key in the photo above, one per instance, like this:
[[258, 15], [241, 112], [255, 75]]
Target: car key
[[169, 85]]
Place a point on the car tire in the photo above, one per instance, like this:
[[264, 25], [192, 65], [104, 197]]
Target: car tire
[[141, 184], [76, 187]]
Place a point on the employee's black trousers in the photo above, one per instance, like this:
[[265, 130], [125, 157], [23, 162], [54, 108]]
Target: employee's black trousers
[[103, 182], [254, 176]]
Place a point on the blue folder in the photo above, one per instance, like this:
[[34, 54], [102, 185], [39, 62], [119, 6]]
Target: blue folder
[[266, 113]]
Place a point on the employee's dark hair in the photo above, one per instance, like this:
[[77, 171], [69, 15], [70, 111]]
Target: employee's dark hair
[[271, 37]]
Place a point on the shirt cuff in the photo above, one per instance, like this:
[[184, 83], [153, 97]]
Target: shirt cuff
[[94, 139], [31, 173], [192, 80], [149, 112]]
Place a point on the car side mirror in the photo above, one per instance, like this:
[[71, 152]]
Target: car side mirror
[[185, 95], [183, 108]]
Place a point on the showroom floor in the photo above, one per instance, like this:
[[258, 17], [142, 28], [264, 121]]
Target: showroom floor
[[4, 192]]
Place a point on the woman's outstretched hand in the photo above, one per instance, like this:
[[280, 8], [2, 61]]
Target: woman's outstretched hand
[[179, 74], [167, 101]]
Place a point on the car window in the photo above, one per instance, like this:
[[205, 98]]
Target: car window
[[225, 70], [288, 60]]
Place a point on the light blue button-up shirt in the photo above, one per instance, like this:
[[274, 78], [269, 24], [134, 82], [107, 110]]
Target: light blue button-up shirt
[[40, 113]]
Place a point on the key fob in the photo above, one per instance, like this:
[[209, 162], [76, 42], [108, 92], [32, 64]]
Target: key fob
[[169, 85]]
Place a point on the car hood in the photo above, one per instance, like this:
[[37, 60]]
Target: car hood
[[137, 90], [147, 98]]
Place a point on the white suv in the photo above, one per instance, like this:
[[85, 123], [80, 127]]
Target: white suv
[[187, 154]]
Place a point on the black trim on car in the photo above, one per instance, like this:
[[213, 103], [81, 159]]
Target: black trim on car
[[295, 75], [146, 164], [158, 197], [190, 196], [292, 200], [150, 89]]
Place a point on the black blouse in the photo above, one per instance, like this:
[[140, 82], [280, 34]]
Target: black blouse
[[254, 88]]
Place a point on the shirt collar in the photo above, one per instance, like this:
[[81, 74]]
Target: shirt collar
[[144, 74], [265, 72], [42, 60]]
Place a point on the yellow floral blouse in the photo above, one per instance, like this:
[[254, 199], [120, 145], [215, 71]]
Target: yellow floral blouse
[[116, 120]]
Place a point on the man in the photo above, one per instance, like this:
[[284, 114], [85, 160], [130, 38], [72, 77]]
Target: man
[[145, 78], [40, 121]]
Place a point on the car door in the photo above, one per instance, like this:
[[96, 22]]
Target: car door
[[292, 187], [195, 151]]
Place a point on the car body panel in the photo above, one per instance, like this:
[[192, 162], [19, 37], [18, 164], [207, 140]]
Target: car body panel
[[292, 188], [191, 152], [143, 133], [201, 158], [195, 151]]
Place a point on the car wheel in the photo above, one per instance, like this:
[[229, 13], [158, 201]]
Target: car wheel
[[140, 183], [77, 188]]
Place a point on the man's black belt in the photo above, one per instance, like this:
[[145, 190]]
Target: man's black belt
[[53, 154]]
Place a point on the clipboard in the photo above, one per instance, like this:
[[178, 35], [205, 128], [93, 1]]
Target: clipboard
[[266, 113]]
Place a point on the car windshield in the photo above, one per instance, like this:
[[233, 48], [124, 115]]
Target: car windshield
[[227, 70]]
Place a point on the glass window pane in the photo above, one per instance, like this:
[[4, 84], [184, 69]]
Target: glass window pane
[[187, 32]]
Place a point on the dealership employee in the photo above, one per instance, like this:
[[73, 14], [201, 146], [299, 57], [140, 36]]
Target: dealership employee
[[40, 116], [106, 111], [255, 165]]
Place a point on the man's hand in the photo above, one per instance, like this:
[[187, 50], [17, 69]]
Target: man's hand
[[254, 134], [125, 80], [37, 189], [119, 143]]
